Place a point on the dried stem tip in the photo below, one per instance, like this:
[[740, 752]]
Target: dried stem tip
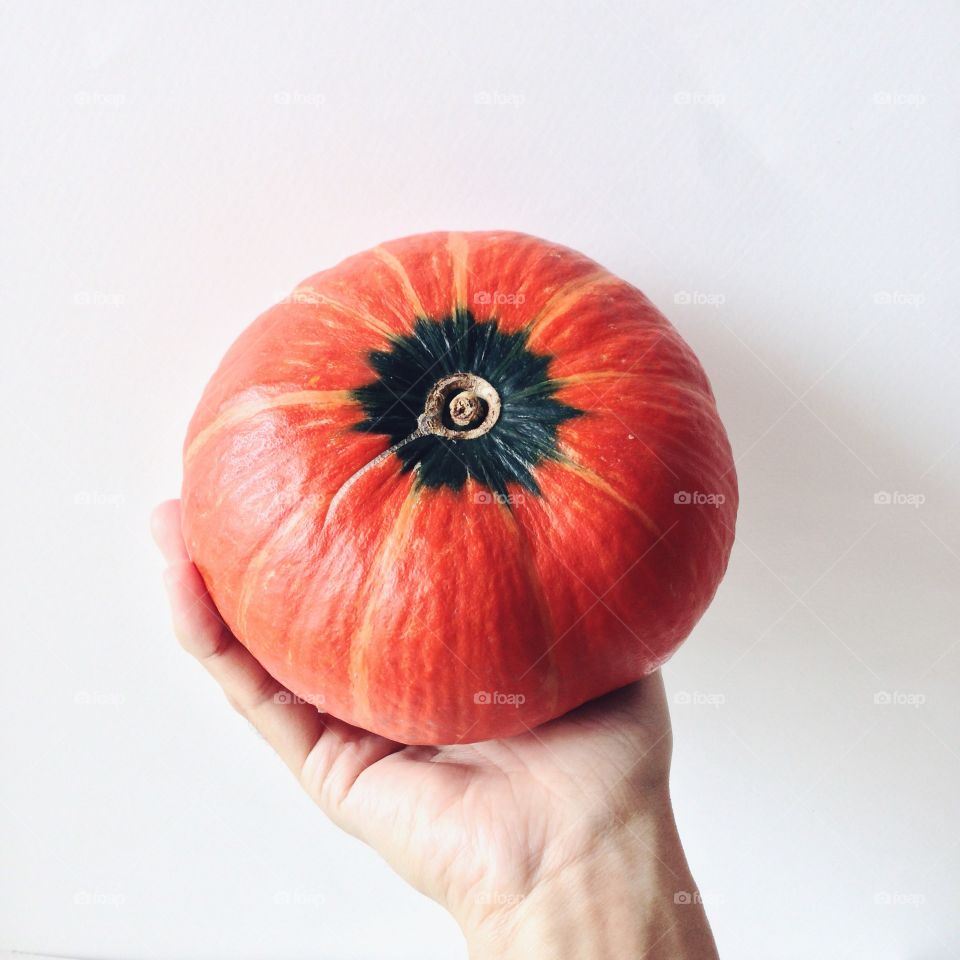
[[461, 406]]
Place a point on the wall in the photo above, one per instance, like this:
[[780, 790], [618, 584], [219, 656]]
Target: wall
[[780, 179]]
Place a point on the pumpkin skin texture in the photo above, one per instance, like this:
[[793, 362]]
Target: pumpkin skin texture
[[434, 587]]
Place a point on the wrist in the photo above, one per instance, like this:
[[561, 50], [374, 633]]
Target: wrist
[[627, 893]]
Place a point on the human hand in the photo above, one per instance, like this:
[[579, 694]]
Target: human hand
[[558, 843]]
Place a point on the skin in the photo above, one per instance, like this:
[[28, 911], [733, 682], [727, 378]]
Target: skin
[[560, 842]]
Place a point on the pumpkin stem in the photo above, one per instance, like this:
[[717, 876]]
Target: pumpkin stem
[[376, 461], [466, 401], [461, 406], [464, 408]]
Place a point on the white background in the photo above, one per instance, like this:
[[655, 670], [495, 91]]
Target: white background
[[787, 169]]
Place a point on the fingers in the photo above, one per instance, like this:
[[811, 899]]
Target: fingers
[[326, 754], [165, 527], [292, 728]]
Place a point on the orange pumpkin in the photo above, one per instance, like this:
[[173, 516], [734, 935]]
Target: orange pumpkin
[[458, 485]]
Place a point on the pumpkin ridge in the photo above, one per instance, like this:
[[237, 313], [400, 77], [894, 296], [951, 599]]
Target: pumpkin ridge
[[458, 247], [534, 581], [413, 298], [379, 585], [600, 376], [258, 562], [566, 297], [596, 481], [242, 410], [353, 313]]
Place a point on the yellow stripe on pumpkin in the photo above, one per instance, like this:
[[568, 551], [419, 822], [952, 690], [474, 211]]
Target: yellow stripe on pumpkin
[[316, 298], [459, 252], [610, 376], [251, 577], [381, 585], [566, 297], [385, 256], [247, 409], [551, 683], [596, 481]]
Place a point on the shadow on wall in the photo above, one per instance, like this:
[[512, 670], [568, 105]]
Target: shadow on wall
[[833, 509]]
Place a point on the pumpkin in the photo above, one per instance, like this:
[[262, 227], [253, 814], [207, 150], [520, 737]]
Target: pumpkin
[[458, 485]]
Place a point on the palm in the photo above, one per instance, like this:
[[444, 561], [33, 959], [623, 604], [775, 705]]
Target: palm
[[473, 825], [470, 825]]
